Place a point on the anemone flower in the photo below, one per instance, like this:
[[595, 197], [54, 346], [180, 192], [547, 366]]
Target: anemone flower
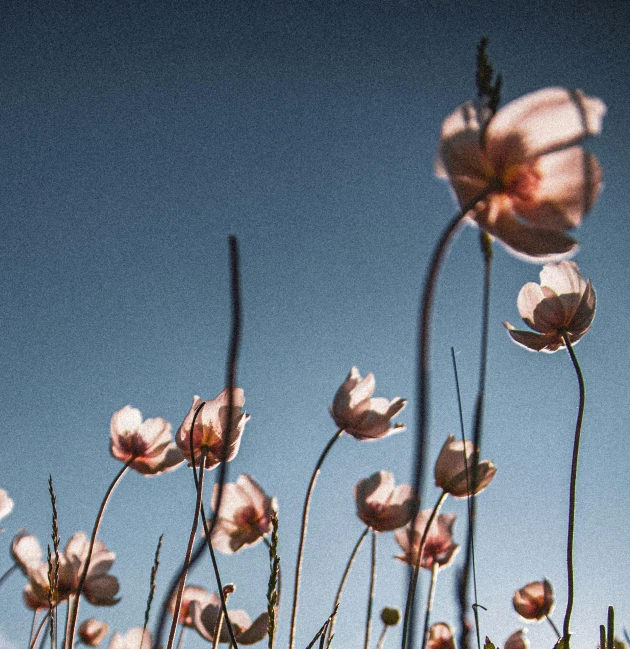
[[6, 504], [530, 179], [92, 632], [517, 640], [136, 638], [534, 601], [191, 594], [439, 546], [381, 505], [441, 636]]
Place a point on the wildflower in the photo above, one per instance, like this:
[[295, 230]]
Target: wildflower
[[135, 638], [358, 414], [190, 594], [534, 601], [6, 504], [214, 426], [452, 472], [92, 632], [439, 547], [245, 515], [381, 505], [529, 178], [563, 302], [441, 636], [517, 640], [148, 443]]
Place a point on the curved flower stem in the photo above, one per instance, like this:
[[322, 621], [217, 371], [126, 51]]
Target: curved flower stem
[[35, 637], [553, 626], [381, 638], [371, 591], [219, 626], [572, 487], [8, 573], [33, 623], [74, 610], [307, 504], [434, 574]]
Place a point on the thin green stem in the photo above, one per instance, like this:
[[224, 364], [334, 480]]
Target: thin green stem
[[553, 626], [427, 614], [368, 622]]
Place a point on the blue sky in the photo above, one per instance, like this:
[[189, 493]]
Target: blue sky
[[137, 136]]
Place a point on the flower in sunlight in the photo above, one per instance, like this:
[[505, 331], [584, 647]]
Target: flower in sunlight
[[6, 504], [92, 632], [214, 426], [439, 547], [452, 473], [135, 638], [148, 443], [517, 640], [534, 601], [563, 302], [358, 414], [441, 636], [190, 594], [530, 180], [381, 505], [245, 515], [246, 632]]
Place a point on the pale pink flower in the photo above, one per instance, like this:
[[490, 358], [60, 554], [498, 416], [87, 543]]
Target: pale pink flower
[[92, 632], [562, 302], [517, 640], [534, 601], [134, 639], [213, 427], [358, 414], [441, 636], [6, 504], [452, 472], [531, 181], [190, 594], [439, 546], [381, 505], [245, 515], [149, 442]]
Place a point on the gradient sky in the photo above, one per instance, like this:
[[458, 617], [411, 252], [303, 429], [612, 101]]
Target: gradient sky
[[136, 136]]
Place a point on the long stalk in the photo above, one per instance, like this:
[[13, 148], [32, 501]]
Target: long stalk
[[427, 614], [368, 622]]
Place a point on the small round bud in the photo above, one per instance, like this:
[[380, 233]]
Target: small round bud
[[390, 616], [228, 589]]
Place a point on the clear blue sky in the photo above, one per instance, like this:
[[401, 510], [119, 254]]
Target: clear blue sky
[[136, 136]]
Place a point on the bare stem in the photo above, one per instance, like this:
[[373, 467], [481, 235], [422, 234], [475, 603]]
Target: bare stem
[[381, 638], [553, 626], [427, 614], [368, 621], [8, 573]]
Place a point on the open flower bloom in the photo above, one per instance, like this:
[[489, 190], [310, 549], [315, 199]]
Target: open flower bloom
[[530, 180], [6, 504], [441, 636], [452, 473], [534, 601], [517, 640], [381, 505], [92, 632], [100, 588], [190, 594], [214, 427], [149, 442], [245, 515], [439, 546], [134, 639], [246, 632], [358, 414], [563, 302]]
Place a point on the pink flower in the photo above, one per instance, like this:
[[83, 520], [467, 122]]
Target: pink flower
[[149, 442], [245, 515], [534, 601], [361, 416], [439, 546], [6, 504], [381, 505], [92, 632], [562, 302], [532, 181], [191, 594], [451, 471], [441, 636], [517, 640], [213, 425], [134, 639]]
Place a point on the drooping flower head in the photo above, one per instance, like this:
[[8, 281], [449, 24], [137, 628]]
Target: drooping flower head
[[563, 302], [530, 179], [383, 506], [534, 601], [214, 427], [439, 546], [358, 414], [149, 442], [92, 632], [245, 515], [452, 472], [441, 636], [517, 640]]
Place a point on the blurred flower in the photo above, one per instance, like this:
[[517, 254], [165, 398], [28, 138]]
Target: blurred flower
[[213, 424], [534, 601], [92, 632], [381, 505], [390, 616], [441, 636], [245, 515], [562, 302], [205, 619], [134, 639], [439, 546], [190, 594], [149, 442], [451, 471], [517, 640], [358, 414], [533, 181], [6, 504]]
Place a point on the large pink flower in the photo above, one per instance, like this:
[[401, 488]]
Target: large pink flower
[[213, 427], [562, 302], [149, 442], [358, 414], [530, 180], [439, 546], [381, 505]]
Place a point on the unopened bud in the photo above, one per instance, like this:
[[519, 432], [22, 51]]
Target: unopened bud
[[390, 616]]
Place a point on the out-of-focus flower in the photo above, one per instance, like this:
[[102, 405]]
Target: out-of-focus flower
[[245, 515], [92, 632], [246, 632], [213, 427], [190, 594], [562, 302], [534, 601], [451, 471], [381, 505], [517, 640], [532, 180], [149, 442], [390, 616], [358, 414], [6, 504], [439, 546], [133, 639], [441, 636]]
